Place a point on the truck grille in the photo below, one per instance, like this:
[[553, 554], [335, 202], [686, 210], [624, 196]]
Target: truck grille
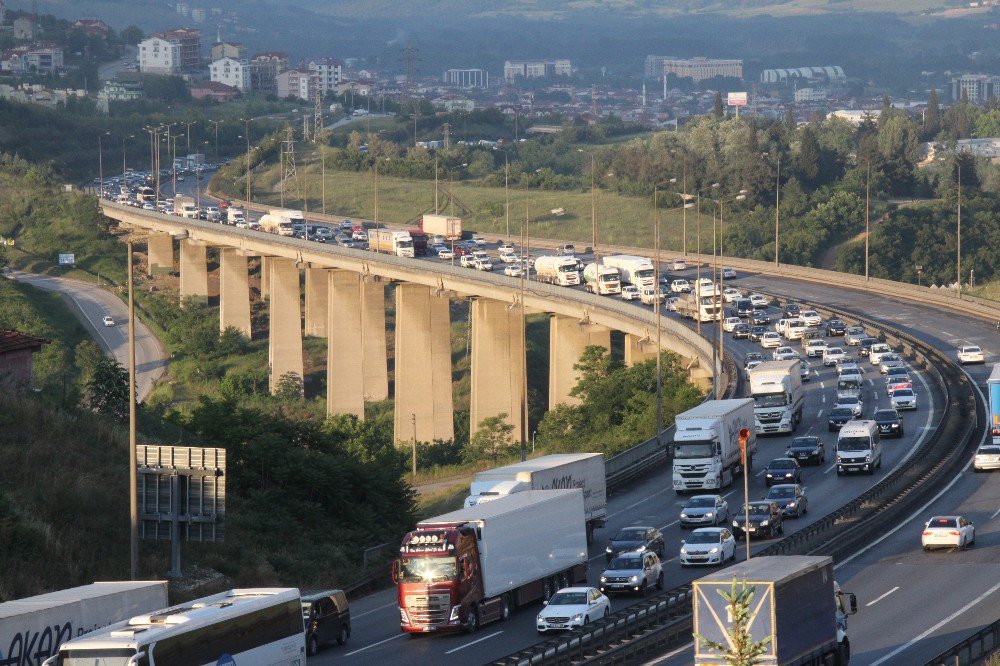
[[428, 608], [769, 418]]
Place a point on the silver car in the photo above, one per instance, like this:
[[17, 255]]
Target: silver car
[[987, 458], [632, 572], [903, 399], [704, 510]]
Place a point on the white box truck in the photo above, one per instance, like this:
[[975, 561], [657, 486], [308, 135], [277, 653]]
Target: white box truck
[[472, 566], [236, 216], [778, 398], [602, 279], [557, 270], [633, 270], [442, 225], [32, 629], [699, 307], [390, 241], [559, 470], [281, 221], [707, 444]]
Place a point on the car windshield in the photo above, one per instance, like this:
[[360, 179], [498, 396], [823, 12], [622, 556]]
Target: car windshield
[[943, 522], [897, 373], [625, 564], [704, 537], [758, 329], [886, 415], [903, 393], [700, 502], [854, 444], [769, 400], [838, 412], [972, 350], [848, 400], [425, 569], [756, 509], [781, 493], [637, 534], [568, 599], [808, 442], [781, 463]]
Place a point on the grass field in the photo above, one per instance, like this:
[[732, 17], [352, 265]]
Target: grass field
[[990, 290]]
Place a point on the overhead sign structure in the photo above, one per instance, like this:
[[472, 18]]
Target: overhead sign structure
[[736, 99], [67, 260]]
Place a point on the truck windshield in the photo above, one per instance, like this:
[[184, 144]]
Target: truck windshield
[[404, 243], [854, 444], [687, 450], [427, 569], [568, 268], [769, 400], [643, 272], [98, 657]]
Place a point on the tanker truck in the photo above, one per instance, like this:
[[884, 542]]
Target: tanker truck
[[557, 270], [601, 279]]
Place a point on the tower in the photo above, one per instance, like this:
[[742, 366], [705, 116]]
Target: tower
[[317, 93], [288, 162], [410, 58]]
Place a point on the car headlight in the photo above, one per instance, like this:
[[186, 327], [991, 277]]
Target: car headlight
[[604, 579], [684, 515], [763, 523], [641, 549], [633, 579], [709, 514], [868, 458], [769, 475], [608, 550], [736, 523], [578, 617], [539, 618], [684, 551], [791, 505], [713, 551]]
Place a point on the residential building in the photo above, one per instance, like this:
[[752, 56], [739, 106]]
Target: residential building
[[3, 12], [46, 58], [294, 83], [328, 71], [91, 26], [534, 69], [831, 73], [810, 95], [363, 87], [189, 40], [14, 61], [699, 69], [977, 87], [198, 14], [122, 91], [467, 78], [452, 103], [232, 72], [987, 148], [16, 351], [183, 8], [26, 27], [855, 116], [159, 56], [264, 68], [233, 50], [654, 65], [220, 92]]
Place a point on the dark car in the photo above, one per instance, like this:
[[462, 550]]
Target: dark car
[[326, 618], [743, 307], [759, 316], [752, 356], [840, 416], [635, 539], [765, 519], [790, 498], [782, 470], [835, 327], [741, 331], [807, 450], [756, 332], [792, 310], [865, 345], [889, 422]]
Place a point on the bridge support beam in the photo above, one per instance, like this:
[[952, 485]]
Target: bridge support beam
[[317, 301], [194, 271], [234, 291], [160, 251], [345, 378], [497, 363], [285, 339], [568, 338], [373, 346], [423, 395], [265, 278], [638, 349]]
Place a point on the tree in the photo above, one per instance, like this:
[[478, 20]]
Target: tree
[[790, 118], [718, 110], [987, 125], [742, 649], [131, 35], [932, 116], [492, 440], [289, 387], [807, 160], [108, 390]]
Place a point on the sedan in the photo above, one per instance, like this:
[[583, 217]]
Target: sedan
[[512, 271], [759, 300], [832, 355], [811, 317], [782, 470], [359, 235], [851, 401], [729, 295], [839, 416], [903, 399], [506, 248], [890, 361], [770, 340], [572, 608], [708, 545], [756, 332], [896, 382], [785, 354], [758, 519], [854, 334], [790, 498], [792, 310], [108, 320], [805, 370], [704, 510], [729, 323], [630, 292], [835, 327], [679, 265], [971, 354], [948, 532], [752, 356], [987, 457], [635, 540], [760, 317], [633, 572], [741, 331], [728, 273], [815, 348], [807, 449], [866, 344], [889, 422]]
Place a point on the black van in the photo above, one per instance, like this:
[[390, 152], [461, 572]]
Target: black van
[[326, 618]]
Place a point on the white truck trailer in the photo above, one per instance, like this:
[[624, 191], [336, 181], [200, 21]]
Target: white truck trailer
[[442, 225], [557, 270], [281, 221], [473, 566], [633, 270], [559, 470], [32, 629], [707, 444], [778, 398], [603, 279], [390, 241]]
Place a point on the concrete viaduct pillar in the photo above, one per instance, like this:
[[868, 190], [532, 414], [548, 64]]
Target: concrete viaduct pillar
[[568, 338], [317, 302], [497, 363], [285, 339], [265, 278], [375, 365], [638, 349], [160, 250], [345, 378], [234, 291], [423, 395], [194, 270]]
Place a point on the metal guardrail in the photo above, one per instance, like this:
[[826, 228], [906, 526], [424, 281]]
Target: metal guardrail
[[972, 651]]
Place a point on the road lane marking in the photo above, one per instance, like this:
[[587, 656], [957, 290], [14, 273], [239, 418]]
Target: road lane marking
[[369, 612], [819, 413], [997, 513], [669, 525], [635, 504], [937, 626], [478, 640], [668, 655], [822, 384], [880, 598], [392, 638], [830, 468], [823, 399]]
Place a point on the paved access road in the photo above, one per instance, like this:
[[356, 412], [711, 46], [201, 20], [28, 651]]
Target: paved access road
[[90, 304]]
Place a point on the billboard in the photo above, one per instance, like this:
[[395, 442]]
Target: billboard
[[185, 486], [736, 99], [67, 260]]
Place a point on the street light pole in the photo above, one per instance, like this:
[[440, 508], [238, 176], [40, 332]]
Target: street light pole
[[133, 501], [868, 187], [958, 244], [414, 417], [246, 122], [777, 208], [656, 301], [322, 154], [216, 123]]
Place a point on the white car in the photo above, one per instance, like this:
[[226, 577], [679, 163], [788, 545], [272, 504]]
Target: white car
[[512, 271], [832, 355], [680, 286], [903, 399], [708, 545], [849, 369], [671, 303], [108, 321], [852, 401], [679, 265], [759, 300], [785, 354], [572, 608], [630, 292], [705, 509], [649, 295], [729, 294], [479, 240], [890, 361], [729, 323], [971, 354], [770, 340], [876, 353], [987, 457], [810, 317], [815, 348], [728, 273], [854, 335], [467, 261], [506, 248], [508, 257], [948, 532]]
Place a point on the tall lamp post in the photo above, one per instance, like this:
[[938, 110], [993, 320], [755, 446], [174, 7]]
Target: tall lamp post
[[777, 203], [216, 123], [246, 133], [720, 284], [100, 164], [958, 243]]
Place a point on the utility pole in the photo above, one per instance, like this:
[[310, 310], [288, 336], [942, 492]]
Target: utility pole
[[216, 123], [777, 207], [133, 502], [289, 173], [657, 305], [414, 417], [958, 244], [868, 187], [193, 122], [593, 218]]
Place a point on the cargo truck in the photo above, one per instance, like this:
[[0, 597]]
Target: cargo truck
[[32, 629], [557, 270], [776, 389], [419, 239], [235, 216], [699, 307], [475, 565], [797, 607], [602, 279], [632, 269], [390, 241], [281, 221], [707, 444], [442, 225], [993, 387], [560, 470]]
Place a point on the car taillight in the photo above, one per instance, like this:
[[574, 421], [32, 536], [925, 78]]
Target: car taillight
[[953, 533]]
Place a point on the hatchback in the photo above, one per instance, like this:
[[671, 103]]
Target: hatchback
[[708, 545], [782, 470], [791, 499]]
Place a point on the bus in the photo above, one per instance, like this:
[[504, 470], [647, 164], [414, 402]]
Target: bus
[[247, 626], [146, 195]]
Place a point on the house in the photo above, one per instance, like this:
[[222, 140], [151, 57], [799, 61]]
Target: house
[[329, 71], [356, 87], [232, 72], [44, 58], [91, 26], [159, 56], [16, 351], [233, 50], [14, 61], [26, 27], [220, 92], [294, 83], [189, 40], [264, 68]]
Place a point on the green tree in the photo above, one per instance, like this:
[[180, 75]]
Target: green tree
[[807, 161], [932, 116], [131, 35], [742, 649], [289, 387], [4, 257], [492, 439], [87, 356], [988, 125], [718, 110], [790, 118], [108, 390]]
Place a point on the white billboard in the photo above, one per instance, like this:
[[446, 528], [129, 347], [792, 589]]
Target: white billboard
[[736, 99], [67, 260]]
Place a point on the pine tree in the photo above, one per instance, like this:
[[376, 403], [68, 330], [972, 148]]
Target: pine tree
[[790, 118], [719, 109], [932, 117], [807, 161], [742, 649]]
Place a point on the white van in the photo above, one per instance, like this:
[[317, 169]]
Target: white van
[[858, 447], [794, 328]]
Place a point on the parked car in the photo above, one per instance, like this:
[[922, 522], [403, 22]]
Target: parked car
[[765, 519], [632, 572], [888, 422], [971, 354], [948, 532], [708, 545], [704, 510], [791, 499], [572, 608], [635, 539], [808, 449], [327, 618], [782, 470]]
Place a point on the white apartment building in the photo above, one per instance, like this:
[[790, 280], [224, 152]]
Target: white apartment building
[[328, 71], [294, 83], [232, 72], [159, 56]]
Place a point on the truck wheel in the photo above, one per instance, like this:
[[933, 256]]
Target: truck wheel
[[505, 608], [472, 619], [844, 653]]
